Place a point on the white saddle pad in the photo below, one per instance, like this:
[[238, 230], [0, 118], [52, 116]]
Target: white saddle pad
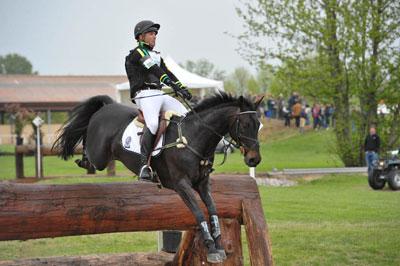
[[131, 139]]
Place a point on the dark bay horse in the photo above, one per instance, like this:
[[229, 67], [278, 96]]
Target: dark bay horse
[[100, 122]]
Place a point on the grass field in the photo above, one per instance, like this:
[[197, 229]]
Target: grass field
[[282, 151], [336, 220]]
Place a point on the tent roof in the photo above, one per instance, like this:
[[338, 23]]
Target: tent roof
[[191, 80]]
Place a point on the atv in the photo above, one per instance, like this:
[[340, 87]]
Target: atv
[[386, 170]]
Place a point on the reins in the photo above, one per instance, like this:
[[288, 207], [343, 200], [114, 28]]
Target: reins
[[155, 95], [182, 142], [238, 143]]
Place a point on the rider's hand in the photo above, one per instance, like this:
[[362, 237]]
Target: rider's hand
[[180, 90]]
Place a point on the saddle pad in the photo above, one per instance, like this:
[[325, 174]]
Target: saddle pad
[[131, 139]]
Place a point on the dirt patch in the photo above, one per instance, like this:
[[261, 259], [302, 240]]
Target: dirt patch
[[275, 182]]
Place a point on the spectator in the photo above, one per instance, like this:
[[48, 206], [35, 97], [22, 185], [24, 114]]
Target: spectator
[[316, 114], [303, 118], [286, 116], [296, 112], [280, 105], [307, 111], [371, 148], [322, 117], [328, 115], [271, 107], [292, 100]]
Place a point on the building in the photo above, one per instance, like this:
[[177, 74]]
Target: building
[[52, 97]]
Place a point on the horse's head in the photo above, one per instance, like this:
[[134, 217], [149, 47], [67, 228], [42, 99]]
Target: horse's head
[[244, 130]]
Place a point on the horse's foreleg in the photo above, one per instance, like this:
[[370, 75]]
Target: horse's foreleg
[[205, 194], [186, 192]]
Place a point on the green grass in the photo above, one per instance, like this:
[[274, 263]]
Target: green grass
[[336, 220], [309, 150]]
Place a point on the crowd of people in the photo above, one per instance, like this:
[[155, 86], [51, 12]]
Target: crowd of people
[[296, 108]]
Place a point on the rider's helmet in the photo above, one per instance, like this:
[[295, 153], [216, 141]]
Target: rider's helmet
[[145, 26]]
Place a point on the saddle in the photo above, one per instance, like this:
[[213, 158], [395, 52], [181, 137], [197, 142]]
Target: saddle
[[132, 135], [163, 122]]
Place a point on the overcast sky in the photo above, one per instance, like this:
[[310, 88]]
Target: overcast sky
[[90, 37]]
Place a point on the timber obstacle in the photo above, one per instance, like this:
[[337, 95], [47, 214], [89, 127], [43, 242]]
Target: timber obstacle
[[30, 211]]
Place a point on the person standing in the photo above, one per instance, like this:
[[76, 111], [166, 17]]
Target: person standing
[[316, 114], [371, 147], [296, 112]]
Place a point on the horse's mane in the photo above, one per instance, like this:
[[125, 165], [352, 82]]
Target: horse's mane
[[222, 99]]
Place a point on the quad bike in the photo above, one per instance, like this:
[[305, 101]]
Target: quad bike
[[386, 170]]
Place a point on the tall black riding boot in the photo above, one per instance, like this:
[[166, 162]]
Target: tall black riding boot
[[146, 148]]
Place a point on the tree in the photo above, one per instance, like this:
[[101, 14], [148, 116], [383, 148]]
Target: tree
[[307, 77], [355, 42], [265, 75], [204, 68], [15, 64], [238, 81], [21, 117]]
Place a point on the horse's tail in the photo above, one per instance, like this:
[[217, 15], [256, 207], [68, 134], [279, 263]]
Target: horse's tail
[[74, 129]]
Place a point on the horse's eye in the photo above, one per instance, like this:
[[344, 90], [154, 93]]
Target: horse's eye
[[246, 125]]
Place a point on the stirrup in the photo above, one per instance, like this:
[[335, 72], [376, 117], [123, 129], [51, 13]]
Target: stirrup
[[143, 169]]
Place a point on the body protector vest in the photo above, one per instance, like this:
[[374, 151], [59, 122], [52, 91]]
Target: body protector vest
[[146, 69]]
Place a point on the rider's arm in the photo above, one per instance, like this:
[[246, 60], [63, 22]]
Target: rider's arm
[[170, 74], [148, 63]]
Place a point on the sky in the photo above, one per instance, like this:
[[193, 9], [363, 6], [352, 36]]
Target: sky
[[92, 37]]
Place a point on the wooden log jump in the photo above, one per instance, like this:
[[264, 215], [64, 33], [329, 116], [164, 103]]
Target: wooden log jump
[[29, 211]]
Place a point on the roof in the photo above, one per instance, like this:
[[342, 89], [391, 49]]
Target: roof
[[53, 91], [190, 80]]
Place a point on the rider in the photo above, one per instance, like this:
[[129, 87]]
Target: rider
[[147, 72]]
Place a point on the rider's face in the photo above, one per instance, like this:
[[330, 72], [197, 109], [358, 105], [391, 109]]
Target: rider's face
[[149, 38]]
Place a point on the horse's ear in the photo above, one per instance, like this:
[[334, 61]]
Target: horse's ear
[[258, 100]]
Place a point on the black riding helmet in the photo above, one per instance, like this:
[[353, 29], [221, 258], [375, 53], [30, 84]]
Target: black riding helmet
[[145, 26]]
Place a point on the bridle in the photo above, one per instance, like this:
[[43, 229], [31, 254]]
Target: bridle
[[239, 136]]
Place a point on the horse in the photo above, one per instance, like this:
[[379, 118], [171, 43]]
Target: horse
[[100, 122]]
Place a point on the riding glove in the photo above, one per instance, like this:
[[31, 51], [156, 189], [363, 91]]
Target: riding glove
[[179, 89]]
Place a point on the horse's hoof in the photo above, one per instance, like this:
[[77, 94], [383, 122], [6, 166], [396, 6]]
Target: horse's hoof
[[214, 258], [222, 254]]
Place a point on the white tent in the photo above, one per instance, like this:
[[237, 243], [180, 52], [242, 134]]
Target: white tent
[[191, 80]]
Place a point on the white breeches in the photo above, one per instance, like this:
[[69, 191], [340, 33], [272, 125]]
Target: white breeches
[[152, 106]]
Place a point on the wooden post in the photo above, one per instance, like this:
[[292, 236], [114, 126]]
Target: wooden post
[[37, 174], [19, 159], [111, 168], [258, 239]]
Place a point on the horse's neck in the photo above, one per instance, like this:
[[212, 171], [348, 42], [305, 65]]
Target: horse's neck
[[218, 120]]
